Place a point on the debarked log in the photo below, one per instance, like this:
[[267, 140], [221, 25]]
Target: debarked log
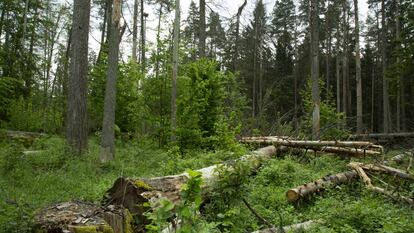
[[306, 190]]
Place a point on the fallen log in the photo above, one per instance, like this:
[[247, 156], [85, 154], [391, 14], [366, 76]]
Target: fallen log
[[382, 168], [132, 193], [299, 227], [297, 143], [400, 157], [306, 190], [77, 216], [352, 148], [382, 135]]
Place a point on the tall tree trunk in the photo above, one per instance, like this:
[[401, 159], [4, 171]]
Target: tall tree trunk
[[338, 77], [236, 40], [106, 29], [108, 135], [372, 97], [143, 58], [315, 69], [26, 11], [345, 73], [328, 60], [358, 71], [175, 70], [135, 31], [385, 97], [400, 87], [202, 27], [77, 118]]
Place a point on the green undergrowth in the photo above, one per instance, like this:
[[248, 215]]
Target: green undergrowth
[[29, 182]]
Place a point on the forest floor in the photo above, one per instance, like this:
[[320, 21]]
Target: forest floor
[[28, 182]]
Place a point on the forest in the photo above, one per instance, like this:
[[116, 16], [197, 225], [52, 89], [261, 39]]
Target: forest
[[261, 116]]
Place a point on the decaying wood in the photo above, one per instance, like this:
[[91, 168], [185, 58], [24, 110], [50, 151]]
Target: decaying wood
[[306, 190], [133, 193], [390, 170], [77, 216], [299, 227]]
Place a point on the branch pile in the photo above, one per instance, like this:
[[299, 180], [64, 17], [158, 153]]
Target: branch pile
[[350, 148]]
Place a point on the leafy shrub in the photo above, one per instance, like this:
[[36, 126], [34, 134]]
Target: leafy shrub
[[208, 110]]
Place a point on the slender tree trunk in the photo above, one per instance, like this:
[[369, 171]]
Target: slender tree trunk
[[26, 11], [77, 118], [338, 77], [400, 86], [202, 27], [328, 60], [175, 70], [135, 31], [143, 58], [372, 97], [106, 29], [254, 72], [108, 135], [236, 41], [358, 71], [157, 59], [3, 12], [386, 103], [345, 73], [315, 69]]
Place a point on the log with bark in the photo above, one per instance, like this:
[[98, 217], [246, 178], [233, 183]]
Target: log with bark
[[306, 190], [132, 193]]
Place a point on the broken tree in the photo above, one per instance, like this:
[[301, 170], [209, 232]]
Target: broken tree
[[131, 194]]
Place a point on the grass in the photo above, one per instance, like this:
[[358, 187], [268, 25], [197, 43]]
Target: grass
[[29, 182]]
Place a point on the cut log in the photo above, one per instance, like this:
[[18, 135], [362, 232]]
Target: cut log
[[347, 151], [306, 190], [76, 216], [299, 227], [133, 193]]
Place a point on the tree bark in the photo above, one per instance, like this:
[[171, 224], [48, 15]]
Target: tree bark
[[202, 42], [315, 69], [358, 71], [345, 65], [135, 31], [77, 120], [338, 77], [108, 135], [175, 70], [319, 185], [143, 58], [385, 94]]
